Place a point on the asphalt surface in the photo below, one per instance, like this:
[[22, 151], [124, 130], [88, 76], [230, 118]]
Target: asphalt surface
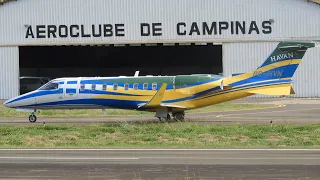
[[159, 164], [172, 164], [289, 114]]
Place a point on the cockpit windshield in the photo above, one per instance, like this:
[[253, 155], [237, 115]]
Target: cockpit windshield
[[50, 86]]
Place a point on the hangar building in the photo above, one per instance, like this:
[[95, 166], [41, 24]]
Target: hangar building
[[59, 38]]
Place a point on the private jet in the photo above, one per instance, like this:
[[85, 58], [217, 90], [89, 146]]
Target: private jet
[[167, 96]]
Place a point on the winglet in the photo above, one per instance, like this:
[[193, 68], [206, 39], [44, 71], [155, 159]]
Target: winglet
[[157, 98]]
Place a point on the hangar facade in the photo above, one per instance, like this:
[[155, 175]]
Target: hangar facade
[[59, 38]]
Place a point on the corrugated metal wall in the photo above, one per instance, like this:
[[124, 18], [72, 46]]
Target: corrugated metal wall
[[291, 17], [306, 80], [9, 72], [244, 57], [292, 20]]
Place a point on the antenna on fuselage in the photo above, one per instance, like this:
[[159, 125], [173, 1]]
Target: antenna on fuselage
[[136, 74]]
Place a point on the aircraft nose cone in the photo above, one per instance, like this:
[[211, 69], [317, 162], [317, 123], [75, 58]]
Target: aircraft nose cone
[[7, 104]]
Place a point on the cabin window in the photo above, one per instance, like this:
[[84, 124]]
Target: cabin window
[[104, 87], [115, 86], [93, 87], [50, 86], [154, 86], [82, 86], [145, 86], [135, 86], [126, 86]]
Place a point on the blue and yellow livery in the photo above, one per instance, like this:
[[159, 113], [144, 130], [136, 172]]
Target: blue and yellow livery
[[167, 96]]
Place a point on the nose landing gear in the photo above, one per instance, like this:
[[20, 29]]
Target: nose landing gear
[[32, 118]]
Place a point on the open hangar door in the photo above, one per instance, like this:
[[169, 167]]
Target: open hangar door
[[91, 61]]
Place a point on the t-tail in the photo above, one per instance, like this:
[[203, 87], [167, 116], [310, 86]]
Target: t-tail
[[283, 61], [274, 76]]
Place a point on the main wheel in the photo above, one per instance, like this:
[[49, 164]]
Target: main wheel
[[179, 116], [162, 119], [168, 117], [32, 118]]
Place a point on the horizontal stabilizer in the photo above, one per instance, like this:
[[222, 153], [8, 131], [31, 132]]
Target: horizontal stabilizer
[[279, 90]]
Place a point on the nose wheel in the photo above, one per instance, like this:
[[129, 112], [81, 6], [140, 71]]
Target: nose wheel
[[32, 118]]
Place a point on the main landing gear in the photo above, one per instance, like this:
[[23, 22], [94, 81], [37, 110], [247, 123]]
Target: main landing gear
[[177, 116], [32, 118]]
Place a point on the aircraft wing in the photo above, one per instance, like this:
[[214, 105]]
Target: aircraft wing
[[173, 106], [156, 100]]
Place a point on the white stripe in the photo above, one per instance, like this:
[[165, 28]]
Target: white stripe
[[269, 112], [62, 158], [159, 149], [234, 158]]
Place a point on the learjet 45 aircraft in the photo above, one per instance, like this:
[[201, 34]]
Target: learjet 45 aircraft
[[167, 96]]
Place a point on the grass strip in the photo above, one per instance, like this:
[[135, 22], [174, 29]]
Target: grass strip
[[173, 135]]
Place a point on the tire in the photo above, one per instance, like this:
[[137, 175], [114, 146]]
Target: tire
[[179, 116], [32, 118]]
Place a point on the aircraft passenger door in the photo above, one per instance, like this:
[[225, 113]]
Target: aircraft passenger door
[[70, 89]]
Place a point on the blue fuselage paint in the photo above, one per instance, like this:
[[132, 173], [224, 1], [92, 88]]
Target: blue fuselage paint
[[65, 97]]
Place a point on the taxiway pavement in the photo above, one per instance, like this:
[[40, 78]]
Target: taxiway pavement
[[290, 114], [286, 111], [160, 164]]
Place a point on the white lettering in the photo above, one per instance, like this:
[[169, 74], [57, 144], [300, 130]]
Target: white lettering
[[281, 57]]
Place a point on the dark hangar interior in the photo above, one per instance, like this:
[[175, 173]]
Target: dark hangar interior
[[91, 61]]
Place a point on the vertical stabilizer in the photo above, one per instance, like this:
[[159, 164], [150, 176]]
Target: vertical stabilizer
[[283, 61]]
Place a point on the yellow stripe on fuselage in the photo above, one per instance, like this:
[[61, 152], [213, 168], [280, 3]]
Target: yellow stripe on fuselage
[[241, 77], [209, 99], [228, 96]]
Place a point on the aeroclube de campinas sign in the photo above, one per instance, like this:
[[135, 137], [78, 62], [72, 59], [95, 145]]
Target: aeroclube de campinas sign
[[149, 29]]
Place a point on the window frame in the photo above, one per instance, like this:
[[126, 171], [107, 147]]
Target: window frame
[[115, 86], [49, 83], [104, 87], [82, 87], [136, 86], [93, 87], [145, 88], [156, 86], [126, 86]]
